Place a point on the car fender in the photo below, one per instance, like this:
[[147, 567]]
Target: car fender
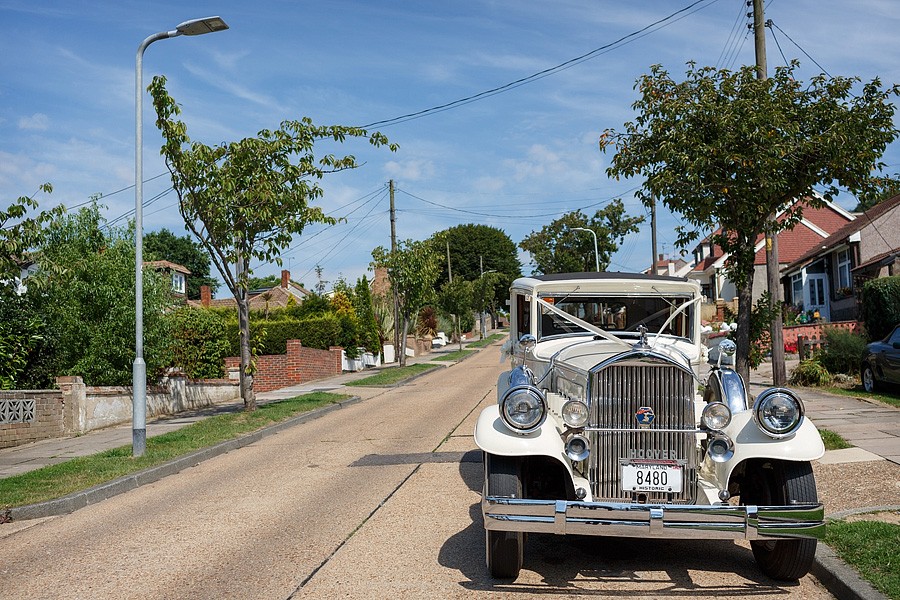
[[494, 437], [750, 442]]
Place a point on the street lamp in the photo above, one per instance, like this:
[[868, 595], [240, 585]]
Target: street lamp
[[139, 371], [596, 254]]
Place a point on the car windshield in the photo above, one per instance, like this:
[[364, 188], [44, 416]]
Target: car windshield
[[618, 314]]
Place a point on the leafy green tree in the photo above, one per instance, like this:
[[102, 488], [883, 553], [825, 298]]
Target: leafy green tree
[[484, 292], [476, 248], [725, 150], [455, 299], [883, 188], [248, 199], [412, 270], [199, 343], [267, 282], [365, 312], [84, 292], [556, 248], [20, 233], [165, 245]]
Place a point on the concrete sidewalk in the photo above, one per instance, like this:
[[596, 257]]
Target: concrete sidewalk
[[29, 457]]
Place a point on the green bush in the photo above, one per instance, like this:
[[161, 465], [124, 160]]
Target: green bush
[[270, 336], [880, 308], [199, 342], [810, 373], [842, 351]]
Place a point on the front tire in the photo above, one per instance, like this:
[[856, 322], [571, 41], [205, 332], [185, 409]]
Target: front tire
[[504, 549], [781, 483], [870, 384]]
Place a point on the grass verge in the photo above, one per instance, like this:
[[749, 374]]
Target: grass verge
[[833, 441], [872, 548], [392, 375], [455, 355], [858, 392], [81, 473], [488, 340]]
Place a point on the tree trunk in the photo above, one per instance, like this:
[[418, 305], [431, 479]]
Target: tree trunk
[[403, 341], [745, 307], [246, 374]]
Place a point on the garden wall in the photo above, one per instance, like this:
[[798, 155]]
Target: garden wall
[[298, 365], [816, 330], [75, 408]]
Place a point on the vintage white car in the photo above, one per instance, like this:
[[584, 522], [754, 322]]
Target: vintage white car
[[604, 427]]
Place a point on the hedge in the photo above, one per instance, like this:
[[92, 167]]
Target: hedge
[[880, 309]]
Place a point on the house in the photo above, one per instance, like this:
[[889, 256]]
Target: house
[[815, 226], [677, 267], [262, 299], [176, 272], [827, 277]]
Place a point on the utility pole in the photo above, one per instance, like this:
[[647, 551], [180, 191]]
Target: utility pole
[[393, 287], [779, 375], [653, 235]]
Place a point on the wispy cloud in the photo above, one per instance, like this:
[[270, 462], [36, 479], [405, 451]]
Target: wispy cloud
[[36, 122]]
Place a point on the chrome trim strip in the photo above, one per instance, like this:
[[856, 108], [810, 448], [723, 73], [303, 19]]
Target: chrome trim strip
[[654, 520]]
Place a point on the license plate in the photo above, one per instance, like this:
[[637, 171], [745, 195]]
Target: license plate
[[651, 477]]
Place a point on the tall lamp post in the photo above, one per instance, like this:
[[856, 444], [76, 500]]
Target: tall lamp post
[[596, 254], [139, 371]]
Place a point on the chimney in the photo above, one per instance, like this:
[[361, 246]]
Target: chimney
[[285, 278], [205, 296]]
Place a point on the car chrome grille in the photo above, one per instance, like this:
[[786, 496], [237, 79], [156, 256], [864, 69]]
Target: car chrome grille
[[617, 392]]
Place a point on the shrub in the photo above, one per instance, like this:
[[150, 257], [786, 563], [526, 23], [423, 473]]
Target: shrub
[[810, 373], [199, 342], [761, 317], [880, 308], [842, 351]]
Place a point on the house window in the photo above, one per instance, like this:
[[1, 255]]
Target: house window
[[843, 267], [178, 282], [797, 289]]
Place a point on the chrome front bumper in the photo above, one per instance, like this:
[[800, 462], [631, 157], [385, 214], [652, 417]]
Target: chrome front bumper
[[654, 520]]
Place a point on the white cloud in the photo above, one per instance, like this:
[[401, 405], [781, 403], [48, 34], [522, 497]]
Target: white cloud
[[410, 170], [36, 122]]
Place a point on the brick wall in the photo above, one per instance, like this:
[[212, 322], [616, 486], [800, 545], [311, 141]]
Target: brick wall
[[299, 365], [816, 330], [46, 422]]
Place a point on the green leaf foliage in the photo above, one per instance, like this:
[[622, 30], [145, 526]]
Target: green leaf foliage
[[199, 342], [20, 233], [559, 248], [880, 307], [725, 150], [842, 351]]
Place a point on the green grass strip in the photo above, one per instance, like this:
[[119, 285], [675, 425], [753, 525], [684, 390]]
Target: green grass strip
[[859, 392], [833, 441], [392, 375], [455, 355], [870, 547], [487, 341], [81, 473]]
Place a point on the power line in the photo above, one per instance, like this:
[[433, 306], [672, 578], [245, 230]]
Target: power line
[[544, 73], [772, 24]]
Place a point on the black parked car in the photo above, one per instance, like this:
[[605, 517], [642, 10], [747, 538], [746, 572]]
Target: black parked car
[[881, 362]]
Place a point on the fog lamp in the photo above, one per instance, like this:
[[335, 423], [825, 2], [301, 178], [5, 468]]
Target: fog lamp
[[720, 448], [577, 448]]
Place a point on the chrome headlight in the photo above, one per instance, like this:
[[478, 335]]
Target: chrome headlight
[[778, 412], [716, 416], [523, 408], [575, 413]]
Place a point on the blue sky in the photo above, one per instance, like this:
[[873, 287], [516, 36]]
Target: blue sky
[[514, 160]]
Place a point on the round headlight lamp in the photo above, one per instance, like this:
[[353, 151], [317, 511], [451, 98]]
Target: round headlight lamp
[[778, 412], [523, 408], [716, 416], [575, 413]]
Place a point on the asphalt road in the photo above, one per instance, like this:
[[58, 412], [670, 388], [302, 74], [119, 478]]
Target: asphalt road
[[377, 500]]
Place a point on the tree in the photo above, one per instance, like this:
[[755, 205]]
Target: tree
[[726, 150], [247, 199], [455, 299], [883, 188], [260, 283], [484, 291], [412, 270], [475, 249], [556, 248], [84, 291], [20, 234], [165, 245]]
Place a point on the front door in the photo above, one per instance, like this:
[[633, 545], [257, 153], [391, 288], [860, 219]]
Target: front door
[[816, 299]]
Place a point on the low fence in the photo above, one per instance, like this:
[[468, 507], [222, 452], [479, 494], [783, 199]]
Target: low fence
[[75, 408]]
